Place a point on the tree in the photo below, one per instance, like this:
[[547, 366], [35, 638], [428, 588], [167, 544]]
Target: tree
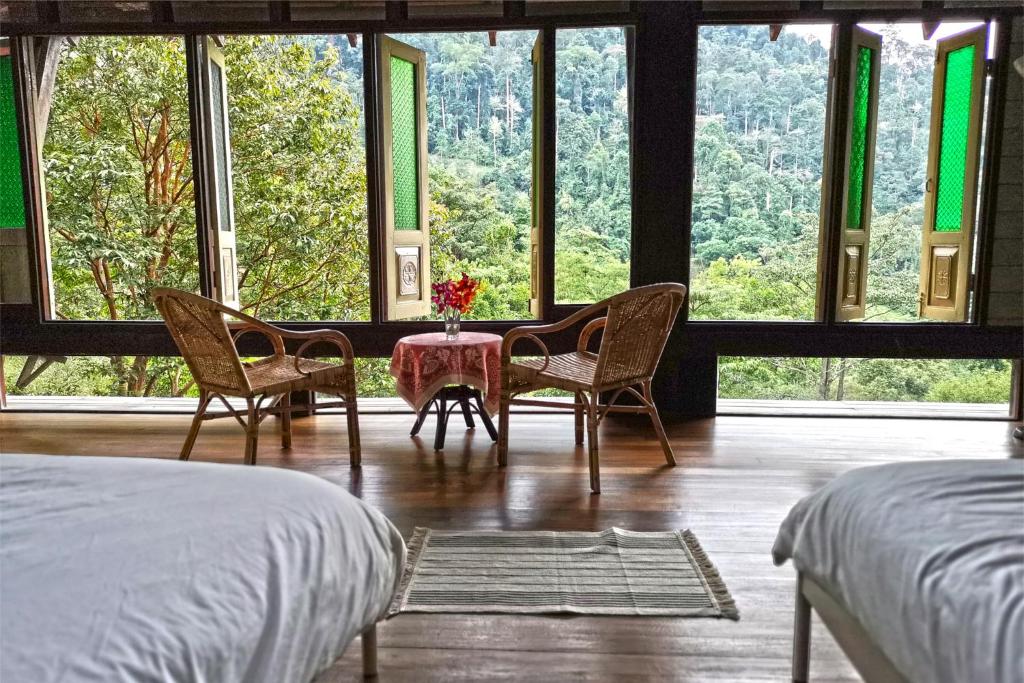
[[118, 168]]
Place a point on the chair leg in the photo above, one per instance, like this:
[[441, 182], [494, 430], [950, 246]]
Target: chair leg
[[252, 432], [659, 428], [355, 454], [369, 639], [503, 407], [197, 422], [595, 465], [578, 410], [286, 421]]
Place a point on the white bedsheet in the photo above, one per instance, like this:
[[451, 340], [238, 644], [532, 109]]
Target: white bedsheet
[[126, 569], [929, 557]]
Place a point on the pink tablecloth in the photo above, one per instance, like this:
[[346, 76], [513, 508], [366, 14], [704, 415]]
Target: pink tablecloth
[[424, 363]]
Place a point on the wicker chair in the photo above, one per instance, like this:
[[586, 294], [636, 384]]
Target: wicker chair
[[208, 347], [636, 326]]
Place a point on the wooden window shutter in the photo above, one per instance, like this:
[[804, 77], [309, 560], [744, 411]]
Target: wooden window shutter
[[862, 125], [951, 191], [403, 95], [217, 163], [14, 255], [537, 184]]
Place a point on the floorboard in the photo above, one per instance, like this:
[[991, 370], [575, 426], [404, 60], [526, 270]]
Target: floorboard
[[736, 479]]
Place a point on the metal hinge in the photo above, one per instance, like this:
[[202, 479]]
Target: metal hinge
[[920, 304], [990, 67]]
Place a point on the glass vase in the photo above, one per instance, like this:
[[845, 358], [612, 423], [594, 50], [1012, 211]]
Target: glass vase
[[452, 320]]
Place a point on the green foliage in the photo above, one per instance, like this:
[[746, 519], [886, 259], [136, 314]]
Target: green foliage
[[593, 218], [299, 180], [863, 379]]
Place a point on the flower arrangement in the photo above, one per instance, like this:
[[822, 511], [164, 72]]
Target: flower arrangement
[[453, 299]]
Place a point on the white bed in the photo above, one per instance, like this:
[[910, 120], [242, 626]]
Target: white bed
[[158, 570], [917, 568]]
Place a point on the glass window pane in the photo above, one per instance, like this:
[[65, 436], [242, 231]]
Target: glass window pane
[[295, 109], [862, 385], [117, 162], [12, 201], [593, 206], [858, 139], [759, 144], [403, 144], [220, 144], [956, 112], [479, 146]]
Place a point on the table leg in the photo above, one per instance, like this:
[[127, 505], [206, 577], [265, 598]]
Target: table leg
[[484, 417], [442, 418], [467, 411], [421, 417]]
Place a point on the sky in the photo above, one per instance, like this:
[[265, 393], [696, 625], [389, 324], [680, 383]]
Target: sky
[[909, 32]]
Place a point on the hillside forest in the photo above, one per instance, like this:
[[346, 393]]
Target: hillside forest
[[118, 171]]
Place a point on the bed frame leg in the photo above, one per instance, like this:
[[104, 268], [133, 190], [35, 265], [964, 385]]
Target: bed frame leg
[[369, 639], [801, 635]]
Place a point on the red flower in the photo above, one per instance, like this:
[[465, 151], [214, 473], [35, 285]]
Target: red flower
[[457, 295]]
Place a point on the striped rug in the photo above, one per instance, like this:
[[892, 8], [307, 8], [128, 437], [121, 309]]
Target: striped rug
[[615, 571]]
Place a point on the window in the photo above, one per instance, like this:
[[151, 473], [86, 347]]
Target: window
[[297, 173], [906, 223], [117, 162], [98, 376], [922, 182], [760, 129], [473, 175], [977, 387], [593, 209]]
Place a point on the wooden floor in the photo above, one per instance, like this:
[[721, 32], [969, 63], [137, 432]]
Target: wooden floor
[[736, 479]]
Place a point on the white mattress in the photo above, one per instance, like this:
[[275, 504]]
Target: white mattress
[[928, 557], [155, 570]]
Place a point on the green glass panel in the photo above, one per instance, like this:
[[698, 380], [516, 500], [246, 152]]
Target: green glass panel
[[12, 201], [956, 116], [220, 144], [858, 141], [405, 169]]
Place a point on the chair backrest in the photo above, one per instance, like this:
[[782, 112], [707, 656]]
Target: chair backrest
[[201, 333], [639, 322]]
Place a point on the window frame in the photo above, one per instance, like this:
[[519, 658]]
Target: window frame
[[32, 331]]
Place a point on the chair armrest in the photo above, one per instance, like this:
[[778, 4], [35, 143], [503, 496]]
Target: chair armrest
[[269, 331], [327, 336], [514, 335], [590, 328], [530, 331]]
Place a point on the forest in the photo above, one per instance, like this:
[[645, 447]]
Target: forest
[[118, 170]]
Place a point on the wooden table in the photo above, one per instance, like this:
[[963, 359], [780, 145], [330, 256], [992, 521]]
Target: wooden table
[[432, 371]]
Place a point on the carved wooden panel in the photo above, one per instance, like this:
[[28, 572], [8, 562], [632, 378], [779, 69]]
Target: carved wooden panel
[[851, 275], [407, 261], [228, 277], [944, 276], [534, 269]]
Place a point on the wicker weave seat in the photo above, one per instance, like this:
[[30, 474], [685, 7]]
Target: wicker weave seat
[[278, 374], [635, 327], [205, 340], [570, 371]]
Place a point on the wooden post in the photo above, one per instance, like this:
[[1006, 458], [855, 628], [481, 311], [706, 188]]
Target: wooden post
[[801, 635], [369, 639]]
